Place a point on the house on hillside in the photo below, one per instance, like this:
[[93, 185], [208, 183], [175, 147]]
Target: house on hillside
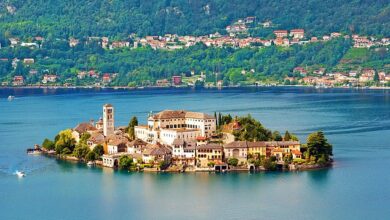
[[297, 33], [18, 81], [281, 33]]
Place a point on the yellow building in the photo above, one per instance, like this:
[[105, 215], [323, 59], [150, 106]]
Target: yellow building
[[209, 153], [257, 148]]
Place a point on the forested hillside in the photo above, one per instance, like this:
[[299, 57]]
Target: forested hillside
[[143, 66], [118, 18]]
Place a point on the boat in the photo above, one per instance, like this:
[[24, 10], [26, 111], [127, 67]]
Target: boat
[[11, 97], [34, 151], [20, 173], [90, 163]]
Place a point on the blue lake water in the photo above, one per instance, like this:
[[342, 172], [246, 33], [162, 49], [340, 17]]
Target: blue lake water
[[357, 122]]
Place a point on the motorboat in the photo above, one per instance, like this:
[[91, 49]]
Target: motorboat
[[34, 151], [20, 173], [90, 163], [11, 97]]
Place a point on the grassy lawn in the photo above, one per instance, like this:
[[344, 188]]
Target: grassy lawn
[[356, 53]]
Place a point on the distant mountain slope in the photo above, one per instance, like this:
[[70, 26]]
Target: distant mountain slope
[[118, 18]]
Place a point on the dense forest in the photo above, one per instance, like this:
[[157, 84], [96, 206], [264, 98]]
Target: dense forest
[[118, 18]]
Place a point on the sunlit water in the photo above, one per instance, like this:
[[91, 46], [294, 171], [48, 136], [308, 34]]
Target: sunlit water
[[357, 187]]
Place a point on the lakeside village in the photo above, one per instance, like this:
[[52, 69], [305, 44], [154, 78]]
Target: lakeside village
[[238, 36], [184, 141]]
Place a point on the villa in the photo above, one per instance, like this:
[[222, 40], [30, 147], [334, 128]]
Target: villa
[[168, 125]]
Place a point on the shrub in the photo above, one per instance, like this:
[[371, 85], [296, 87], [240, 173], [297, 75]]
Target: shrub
[[163, 165], [211, 164], [233, 162], [125, 162], [48, 144], [91, 156]]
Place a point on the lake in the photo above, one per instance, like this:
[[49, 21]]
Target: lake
[[356, 122]]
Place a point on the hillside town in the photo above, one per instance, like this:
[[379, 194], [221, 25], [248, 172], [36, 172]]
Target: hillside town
[[178, 140], [237, 36]]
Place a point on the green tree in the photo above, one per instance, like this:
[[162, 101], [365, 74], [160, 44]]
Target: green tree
[[287, 136], [251, 130], [48, 144], [84, 137], [130, 128], [91, 156], [376, 77], [269, 164], [226, 119], [219, 119], [80, 151], [125, 162], [64, 140], [317, 145], [99, 150], [276, 136]]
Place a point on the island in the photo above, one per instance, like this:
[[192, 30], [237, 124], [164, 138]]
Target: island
[[185, 141]]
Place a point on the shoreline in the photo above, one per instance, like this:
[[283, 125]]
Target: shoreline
[[99, 164], [189, 87]]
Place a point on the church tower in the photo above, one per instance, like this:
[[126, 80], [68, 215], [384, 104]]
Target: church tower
[[108, 120]]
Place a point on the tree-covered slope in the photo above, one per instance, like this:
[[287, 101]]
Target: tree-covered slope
[[64, 18]]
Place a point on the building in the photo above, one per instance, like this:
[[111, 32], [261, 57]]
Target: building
[[106, 78], [257, 149], [168, 125], [168, 135], [96, 138], [108, 120], [28, 61], [117, 144], [162, 83], [49, 78], [73, 42], [209, 153], [112, 160], [81, 129], [18, 81], [296, 154], [238, 150], [119, 44], [136, 146], [176, 80], [183, 152], [280, 149], [297, 33], [281, 33], [81, 75], [155, 153]]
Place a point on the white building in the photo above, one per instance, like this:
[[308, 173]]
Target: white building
[[167, 136], [183, 150], [168, 125]]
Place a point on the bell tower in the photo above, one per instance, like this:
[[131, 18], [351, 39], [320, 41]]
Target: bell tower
[[108, 120]]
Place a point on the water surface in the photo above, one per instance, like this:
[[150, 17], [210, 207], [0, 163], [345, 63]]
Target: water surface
[[357, 122]]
